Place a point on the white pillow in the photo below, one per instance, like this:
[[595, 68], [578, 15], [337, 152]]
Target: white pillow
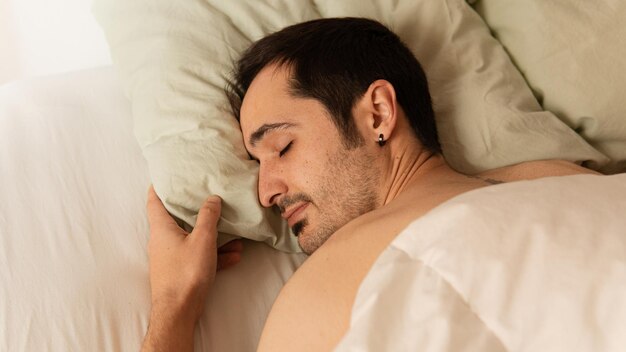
[[175, 57], [572, 55]]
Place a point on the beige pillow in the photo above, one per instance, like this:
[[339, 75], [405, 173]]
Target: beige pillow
[[174, 58], [572, 55]]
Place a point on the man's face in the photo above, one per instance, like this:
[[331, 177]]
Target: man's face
[[305, 170]]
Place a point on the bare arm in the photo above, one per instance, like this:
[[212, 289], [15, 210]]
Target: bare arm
[[169, 330], [182, 270]]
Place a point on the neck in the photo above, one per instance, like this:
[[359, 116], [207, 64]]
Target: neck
[[410, 167]]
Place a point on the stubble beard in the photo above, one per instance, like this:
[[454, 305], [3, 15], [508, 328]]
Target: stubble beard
[[348, 190]]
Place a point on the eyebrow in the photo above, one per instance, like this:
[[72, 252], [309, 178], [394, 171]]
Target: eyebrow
[[257, 135]]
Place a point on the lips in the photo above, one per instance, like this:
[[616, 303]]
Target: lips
[[292, 213]]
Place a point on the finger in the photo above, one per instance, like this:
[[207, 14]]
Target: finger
[[208, 215], [157, 214], [226, 260], [232, 246]]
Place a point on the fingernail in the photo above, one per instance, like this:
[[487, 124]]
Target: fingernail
[[213, 199]]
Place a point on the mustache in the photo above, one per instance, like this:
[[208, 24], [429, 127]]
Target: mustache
[[288, 201]]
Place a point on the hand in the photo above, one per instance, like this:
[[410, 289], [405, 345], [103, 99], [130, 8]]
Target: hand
[[183, 265]]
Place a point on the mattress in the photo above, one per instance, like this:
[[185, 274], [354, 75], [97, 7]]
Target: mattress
[[73, 228]]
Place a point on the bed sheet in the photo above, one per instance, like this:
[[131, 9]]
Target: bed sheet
[[526, 266], [73, 228]]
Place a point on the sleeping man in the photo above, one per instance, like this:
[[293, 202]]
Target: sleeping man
[[338, 115]]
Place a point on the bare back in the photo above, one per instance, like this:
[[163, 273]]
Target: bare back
[[312, 312]]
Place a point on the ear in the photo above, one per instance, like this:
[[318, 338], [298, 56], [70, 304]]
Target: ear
[[380, 110]]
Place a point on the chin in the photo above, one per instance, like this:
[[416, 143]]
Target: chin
[[306, 246], [310, 241]]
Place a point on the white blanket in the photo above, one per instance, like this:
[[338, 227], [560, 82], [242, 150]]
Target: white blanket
[[525, 266]]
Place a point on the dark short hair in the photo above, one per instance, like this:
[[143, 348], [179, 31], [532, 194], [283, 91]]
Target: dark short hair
[[334, 61]]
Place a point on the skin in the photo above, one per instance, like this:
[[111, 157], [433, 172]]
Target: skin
[[182, 269], [335, 177], [347, 206]]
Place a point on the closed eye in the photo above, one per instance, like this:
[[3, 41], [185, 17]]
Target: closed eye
[[285, 150]]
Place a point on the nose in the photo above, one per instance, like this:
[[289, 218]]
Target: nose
[[271, 184]]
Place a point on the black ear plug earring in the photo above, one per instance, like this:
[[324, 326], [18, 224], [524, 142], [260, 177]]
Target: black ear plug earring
[[381, 140]]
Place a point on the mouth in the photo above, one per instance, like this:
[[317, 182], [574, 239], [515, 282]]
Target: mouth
[[292, 214]]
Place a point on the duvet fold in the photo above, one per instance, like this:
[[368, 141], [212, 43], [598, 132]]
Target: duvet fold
[[525, 266]]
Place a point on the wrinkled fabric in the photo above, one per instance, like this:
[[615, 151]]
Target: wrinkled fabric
[[174, 60], [74, 232], [571, 53], [526, 266]]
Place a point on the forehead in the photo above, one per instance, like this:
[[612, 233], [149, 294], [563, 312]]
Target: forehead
[[263, 98], [268, 101]]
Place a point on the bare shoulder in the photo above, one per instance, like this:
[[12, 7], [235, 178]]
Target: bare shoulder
[[536, 169], [312, 311]]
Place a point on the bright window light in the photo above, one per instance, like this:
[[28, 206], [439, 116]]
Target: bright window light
[[52, 36]]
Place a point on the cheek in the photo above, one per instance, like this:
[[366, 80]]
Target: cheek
[[305, 164], [323, 179], [306, 176], [313, 169]]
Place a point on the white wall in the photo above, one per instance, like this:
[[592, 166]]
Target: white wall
[[40, 37]]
